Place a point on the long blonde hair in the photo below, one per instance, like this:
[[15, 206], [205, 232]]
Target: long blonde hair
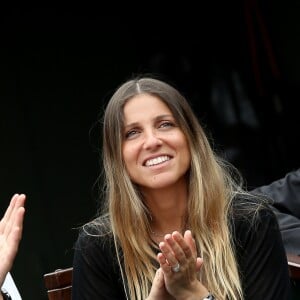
[[211, 190]]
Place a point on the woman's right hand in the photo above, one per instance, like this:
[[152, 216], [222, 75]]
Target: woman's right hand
[[158, 289]]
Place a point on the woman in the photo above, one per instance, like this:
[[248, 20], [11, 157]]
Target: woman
[[174, 224]]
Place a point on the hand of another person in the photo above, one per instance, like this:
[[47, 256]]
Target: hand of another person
[[11, 226], [179, 252]]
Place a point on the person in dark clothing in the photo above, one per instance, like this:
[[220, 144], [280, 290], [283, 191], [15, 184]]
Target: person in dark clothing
[[175, 222], [285, 196]]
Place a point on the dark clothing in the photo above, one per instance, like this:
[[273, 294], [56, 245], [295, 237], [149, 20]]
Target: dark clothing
[[96, 274], [260, 254], [285, 193]]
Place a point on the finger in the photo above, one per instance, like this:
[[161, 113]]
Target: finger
[[183, 250], [15, 214], [199, 263], [170, 250], [10, 208], [15, 234], [18, 211], [164, 264], [4, 223], [158, 280], [188, 237]]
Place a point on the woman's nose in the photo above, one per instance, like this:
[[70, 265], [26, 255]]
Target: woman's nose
[[152, 140]]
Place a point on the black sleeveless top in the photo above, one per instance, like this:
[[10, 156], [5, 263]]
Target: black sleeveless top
[[260, 254]]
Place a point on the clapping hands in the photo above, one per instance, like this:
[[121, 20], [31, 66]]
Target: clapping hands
[[179, 265]]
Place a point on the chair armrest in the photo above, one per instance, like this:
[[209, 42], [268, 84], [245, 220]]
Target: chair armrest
[[294, 265], [58, 279]]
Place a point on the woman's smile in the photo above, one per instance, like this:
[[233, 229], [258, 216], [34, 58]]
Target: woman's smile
[[157, 160]]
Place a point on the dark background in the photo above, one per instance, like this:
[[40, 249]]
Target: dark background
[[237, 62]]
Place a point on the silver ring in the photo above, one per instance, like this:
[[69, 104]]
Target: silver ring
[[176, 268]]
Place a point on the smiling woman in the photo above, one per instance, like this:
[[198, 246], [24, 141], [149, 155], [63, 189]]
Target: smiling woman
[[175, 223], [155, 150]]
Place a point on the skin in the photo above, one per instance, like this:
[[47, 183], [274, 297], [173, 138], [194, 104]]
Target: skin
[[157, 158], [151, 132], [11, 227]]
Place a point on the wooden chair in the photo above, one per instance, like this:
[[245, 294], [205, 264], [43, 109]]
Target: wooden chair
[[294, 270], [59, 284], [294, 266]]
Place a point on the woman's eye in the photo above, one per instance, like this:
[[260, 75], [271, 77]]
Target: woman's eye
[[166, 124], [130, 134]]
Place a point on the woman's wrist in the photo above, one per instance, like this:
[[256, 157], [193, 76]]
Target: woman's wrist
[[197, 296], [197, 292]]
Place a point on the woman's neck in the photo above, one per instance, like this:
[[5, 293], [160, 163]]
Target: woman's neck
[[167, 208]]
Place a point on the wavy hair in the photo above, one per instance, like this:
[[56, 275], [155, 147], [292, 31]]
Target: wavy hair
[[211, 191]]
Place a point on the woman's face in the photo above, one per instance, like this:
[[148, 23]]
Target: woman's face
[[154, 148]]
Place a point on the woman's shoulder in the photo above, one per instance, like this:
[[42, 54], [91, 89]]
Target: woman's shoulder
[[244, 201], [95, 252], [94, 234], [251, 213]]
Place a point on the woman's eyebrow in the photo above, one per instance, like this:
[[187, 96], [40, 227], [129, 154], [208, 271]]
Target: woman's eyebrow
[[157, 118], [163, 116], [133, 124]]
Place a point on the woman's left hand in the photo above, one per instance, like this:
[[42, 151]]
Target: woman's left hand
[[180, 265]]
